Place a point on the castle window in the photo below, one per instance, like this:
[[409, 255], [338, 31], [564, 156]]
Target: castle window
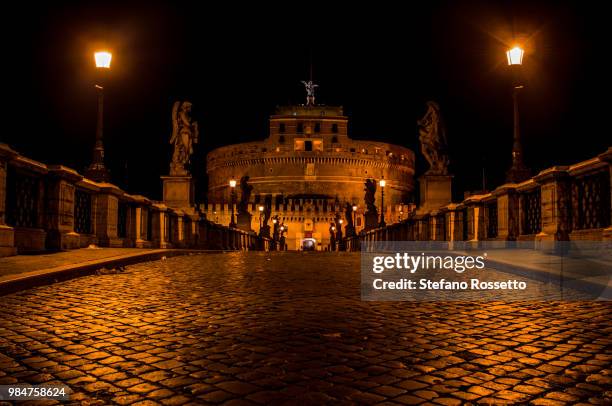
[[281, 139], [352, 149], [317, 127], [334, 140], [335, 128], [281, 128], [308, 146], [300, 128]]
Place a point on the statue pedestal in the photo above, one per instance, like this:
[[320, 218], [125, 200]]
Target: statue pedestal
[[371, 220], [179, 191], [243, 221], [435, 192]]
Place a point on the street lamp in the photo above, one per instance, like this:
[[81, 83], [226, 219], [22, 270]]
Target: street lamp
[[232, 184], [515, 55], [261, 209], [518, 172], [382, 184], [97, 171], [354, 216], [103, 59]]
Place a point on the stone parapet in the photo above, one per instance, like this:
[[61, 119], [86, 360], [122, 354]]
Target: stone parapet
[[53, 207], [561, 203]]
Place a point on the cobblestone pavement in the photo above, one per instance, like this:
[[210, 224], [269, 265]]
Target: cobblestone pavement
[[290, 328]]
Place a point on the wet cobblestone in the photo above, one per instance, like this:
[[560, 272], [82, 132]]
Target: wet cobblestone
[[287, 328]]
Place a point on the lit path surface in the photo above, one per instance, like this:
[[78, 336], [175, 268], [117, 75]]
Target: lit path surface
[[289, 328], [26, 263]]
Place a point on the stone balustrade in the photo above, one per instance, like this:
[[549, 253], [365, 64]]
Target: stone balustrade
[[562, 203], [52, 207]]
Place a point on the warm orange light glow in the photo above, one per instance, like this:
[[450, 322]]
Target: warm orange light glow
[[355, 208], [103, 59], [383, 183], [261, 208], [515, 55], [232, 183]]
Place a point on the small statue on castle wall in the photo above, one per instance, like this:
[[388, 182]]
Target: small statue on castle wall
[[432, 136], [185, 134]]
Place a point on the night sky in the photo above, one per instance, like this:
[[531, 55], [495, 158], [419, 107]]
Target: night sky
[[236, 64]]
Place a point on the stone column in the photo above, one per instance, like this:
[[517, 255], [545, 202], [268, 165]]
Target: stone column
[[107, 215], [507, 213], [195, 231], [475, 221], [60, 208], [555, 204], [433, 227], [180, 225], [162, 240], [7, 233], [138, 240], [451, 218]]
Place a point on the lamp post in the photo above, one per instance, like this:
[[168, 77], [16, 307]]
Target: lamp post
[[232, 184], [97, 171], [261, 209], [332, 238], [282, 237], [382, 184], [275, 237], [518, 172]]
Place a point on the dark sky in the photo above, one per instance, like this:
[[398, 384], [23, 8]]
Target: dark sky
[[236, 64]]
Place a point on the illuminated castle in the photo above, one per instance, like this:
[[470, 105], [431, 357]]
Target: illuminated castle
[[308, 169]]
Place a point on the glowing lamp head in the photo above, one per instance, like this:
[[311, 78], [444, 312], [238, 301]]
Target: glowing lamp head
[[103, 59], [383, 183], [282, 228], [341, 221], [274, 221], [261, 208], [333, 228], [232, 183], [354, 207], [515, 55]]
